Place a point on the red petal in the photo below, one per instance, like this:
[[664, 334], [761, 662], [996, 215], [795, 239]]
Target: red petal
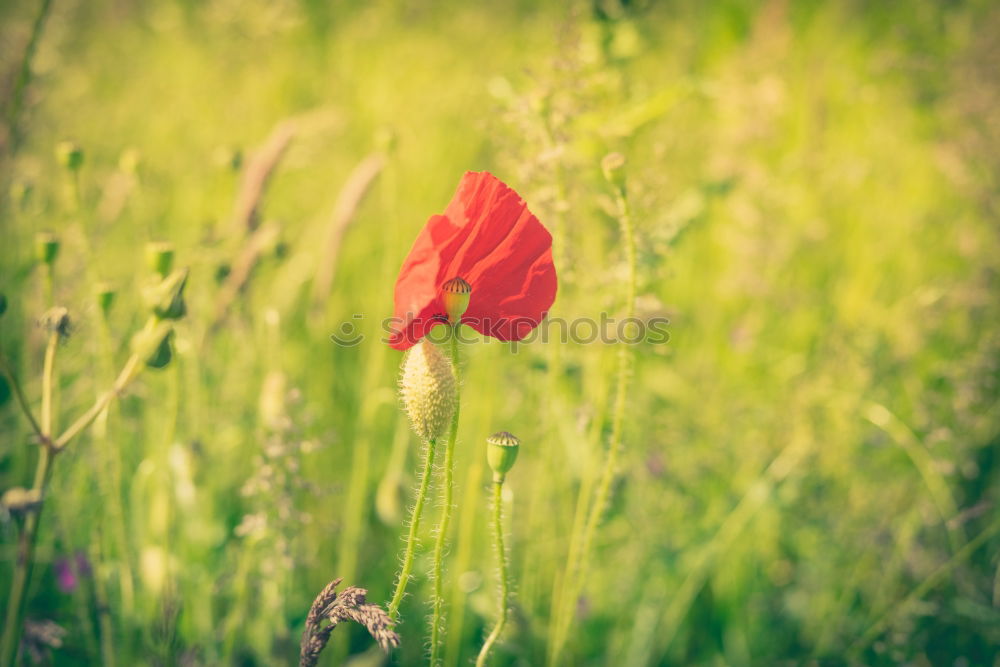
[[488, 237]]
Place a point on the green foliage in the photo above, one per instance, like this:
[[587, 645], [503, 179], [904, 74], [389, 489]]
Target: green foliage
[[813, 188]]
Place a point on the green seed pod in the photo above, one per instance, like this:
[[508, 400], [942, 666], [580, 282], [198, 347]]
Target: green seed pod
[[56, 320], [166, 298], [613, 166], [457, 293], [501, 453], [69, 154], [46, 247], [160, 257], [105, 293], [427, 387]]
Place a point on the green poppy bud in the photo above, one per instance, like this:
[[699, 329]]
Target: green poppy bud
[[166, 298], [457, 293], [613, 166], [163, 354], [46, 247], [427, 387], [69, 154], [501, 453], [152, 344], [105, 293], [160, 257]]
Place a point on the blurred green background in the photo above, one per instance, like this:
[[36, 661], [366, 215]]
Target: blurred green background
[[811, 465]]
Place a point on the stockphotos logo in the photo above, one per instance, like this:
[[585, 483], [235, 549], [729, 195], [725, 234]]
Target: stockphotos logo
[[605, 330]]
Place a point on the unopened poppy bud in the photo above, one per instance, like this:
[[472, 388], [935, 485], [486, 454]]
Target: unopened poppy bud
[[457, 293], [69, 154], [166, 298], [427, 386], [148, 344], [105, 293], [163, 354], [160, 257], [19, 500], [56, 320], [46, 247], [501, 453], [613, 166]]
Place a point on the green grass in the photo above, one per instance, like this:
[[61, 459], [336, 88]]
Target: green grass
[[810, 466]]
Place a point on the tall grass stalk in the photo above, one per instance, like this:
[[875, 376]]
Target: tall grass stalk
[[578, 562]]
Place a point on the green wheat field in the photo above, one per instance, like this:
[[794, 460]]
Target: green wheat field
[[808, 470]]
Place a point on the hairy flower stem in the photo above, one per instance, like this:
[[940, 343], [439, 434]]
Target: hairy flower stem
[[580, 548], [447, 492], [502, 567], [411, 538]]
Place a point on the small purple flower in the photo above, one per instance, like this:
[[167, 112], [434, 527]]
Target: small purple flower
[[65, 577]]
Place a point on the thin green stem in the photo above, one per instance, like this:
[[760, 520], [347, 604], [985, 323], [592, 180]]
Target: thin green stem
[[447, 493], [126, 376], [48, 373], [411, 538], [502, 567], [15, 387], [578, 574]]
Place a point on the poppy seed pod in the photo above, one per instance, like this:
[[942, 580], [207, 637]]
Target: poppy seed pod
[[160, 257], [46, 247], [456, 294], [501, 453], [166, 298], [427, 386]]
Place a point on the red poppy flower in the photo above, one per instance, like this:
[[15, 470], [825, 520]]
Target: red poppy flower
[[488, 237]]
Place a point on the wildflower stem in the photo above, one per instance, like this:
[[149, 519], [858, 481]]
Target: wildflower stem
[[29, 533], [411, 538], [577, 572], [447, 491], [502, 567], [15, 387]]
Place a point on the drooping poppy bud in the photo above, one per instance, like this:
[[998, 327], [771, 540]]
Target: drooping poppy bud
[[160, 257], [147, 343], [166, 298], [456, 298], [69, 154], [427, 386], [46, 247], [105, 293], [501, 453]]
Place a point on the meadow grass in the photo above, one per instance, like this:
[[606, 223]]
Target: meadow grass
[[808, 468]]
